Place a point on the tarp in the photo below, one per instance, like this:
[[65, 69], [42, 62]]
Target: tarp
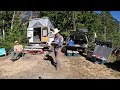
[[37, 22], [2, 51], [102, 51]]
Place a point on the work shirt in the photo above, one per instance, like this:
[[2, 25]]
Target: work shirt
[[18, 48], [59, 41]]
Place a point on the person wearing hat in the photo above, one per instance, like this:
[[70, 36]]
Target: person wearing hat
[[17, 51], [57, 47]]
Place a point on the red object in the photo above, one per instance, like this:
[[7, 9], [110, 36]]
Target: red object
[[32, 52], [41, 51], [97, 56]]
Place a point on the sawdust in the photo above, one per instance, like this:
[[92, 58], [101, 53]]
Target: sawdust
[[34, 67]]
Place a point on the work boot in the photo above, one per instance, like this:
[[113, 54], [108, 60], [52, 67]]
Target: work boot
[[55, 65], [12, 60]]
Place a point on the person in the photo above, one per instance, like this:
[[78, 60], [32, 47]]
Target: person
[[57, 47], [17, 50], [70, 42]]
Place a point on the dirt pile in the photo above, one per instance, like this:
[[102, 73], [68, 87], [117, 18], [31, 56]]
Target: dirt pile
[[33, 67]]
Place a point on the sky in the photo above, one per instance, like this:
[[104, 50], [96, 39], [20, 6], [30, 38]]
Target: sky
[[115, 14]]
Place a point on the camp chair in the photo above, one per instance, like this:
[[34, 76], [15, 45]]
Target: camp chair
[[2, 52]]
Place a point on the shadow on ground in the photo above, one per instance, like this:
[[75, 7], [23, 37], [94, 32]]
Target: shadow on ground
[[50, 58], [114, 65], [87, 58]]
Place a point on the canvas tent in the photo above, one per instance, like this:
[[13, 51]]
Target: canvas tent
[[37, 22], [41, 27]]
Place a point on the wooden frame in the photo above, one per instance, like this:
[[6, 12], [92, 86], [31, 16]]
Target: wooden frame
[[45, 38]]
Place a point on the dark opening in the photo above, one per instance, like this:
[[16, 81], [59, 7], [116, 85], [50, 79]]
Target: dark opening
[[78, 39], [37, 34]]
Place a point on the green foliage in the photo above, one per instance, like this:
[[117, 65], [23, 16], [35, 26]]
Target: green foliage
[[17, 33], [65, 33], [62, 20]]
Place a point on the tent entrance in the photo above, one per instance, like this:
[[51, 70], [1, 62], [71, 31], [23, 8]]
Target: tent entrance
[[37, 34]]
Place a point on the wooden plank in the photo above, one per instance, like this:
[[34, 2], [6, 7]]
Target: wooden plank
[[40, 42], [33, 47], [45, 39]]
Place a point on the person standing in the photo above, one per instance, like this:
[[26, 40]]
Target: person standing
[[16, 51], [57, 47]]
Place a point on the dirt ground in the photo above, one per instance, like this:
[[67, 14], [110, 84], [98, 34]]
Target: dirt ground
[[34, 67]]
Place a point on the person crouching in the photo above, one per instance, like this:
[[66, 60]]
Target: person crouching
[[17, 51]]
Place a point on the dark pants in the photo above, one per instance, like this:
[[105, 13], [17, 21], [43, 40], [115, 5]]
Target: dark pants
[[57, 55], [15, 55]]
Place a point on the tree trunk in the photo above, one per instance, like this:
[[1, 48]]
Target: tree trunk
[[105, 32], [3, 31], [12, 20], [74, 26], [104, 23]]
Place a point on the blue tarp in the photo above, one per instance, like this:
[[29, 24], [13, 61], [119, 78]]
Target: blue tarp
[[2, 51], [29, 13], [71, 43], [25, 15]]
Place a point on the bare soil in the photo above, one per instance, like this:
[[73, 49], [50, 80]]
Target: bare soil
[[34, 67]]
